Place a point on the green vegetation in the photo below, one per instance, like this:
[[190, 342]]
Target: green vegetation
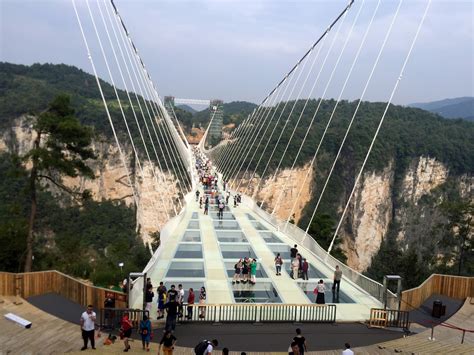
[[61, 147], [87, 240], [234, 112]]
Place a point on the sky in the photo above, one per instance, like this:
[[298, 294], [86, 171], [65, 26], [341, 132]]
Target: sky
[[239, 50]]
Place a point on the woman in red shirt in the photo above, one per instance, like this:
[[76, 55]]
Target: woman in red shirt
[[190, 303], [126, 326]]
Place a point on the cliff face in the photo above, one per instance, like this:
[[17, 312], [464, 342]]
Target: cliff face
[[154, 190]]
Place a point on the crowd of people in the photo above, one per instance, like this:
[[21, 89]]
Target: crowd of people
[[243, 268]]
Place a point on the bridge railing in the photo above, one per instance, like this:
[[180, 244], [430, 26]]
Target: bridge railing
[[260, 313], [300, 237]]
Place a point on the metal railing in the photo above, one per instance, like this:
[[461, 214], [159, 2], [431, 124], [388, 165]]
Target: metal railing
[[110, 317], [383, 318], [260, 313], [302, 238]]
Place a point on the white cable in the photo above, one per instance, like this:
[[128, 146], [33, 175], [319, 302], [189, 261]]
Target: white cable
[[379, 126], [336, 65], [331, 117], [122, 156], [120, 104], [289, 116], [387, 35]]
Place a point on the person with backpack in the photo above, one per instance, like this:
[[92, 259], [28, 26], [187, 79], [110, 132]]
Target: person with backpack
[[145, 332], [167, 342], [301, 341], [205, 347]]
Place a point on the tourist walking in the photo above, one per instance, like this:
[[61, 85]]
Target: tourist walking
[[197, 195], [348, 350], [305, 268], [319, 291], [167, 343], [145, 332], [337, 279], [180, 300], [200, 202], [205, 347], [294, 349], [126, 330], [202, 300], [300, 340], [161, 300], [88, 327], [278, 264], [171, 313], [206, 206], [294, 252], [190, 303]]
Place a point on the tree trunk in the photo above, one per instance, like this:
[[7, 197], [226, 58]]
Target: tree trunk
[[31, 237]]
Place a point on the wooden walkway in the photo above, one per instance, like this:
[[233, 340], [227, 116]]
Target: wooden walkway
[[50, 335]]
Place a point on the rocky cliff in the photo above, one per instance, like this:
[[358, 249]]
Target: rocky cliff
[[154, 190]]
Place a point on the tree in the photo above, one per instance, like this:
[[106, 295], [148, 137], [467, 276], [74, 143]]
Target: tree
[[322, 230], [60, 148], [458, 234]]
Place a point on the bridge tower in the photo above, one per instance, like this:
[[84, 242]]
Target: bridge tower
[[215, 129]]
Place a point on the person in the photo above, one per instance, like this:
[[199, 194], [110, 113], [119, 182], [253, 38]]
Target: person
[[148, 282], [227, 198], [319, 290], [190, 303], [337, 279], [348, 350], [145, 332], [88, 327], [161, 300], [172, 294], [202, 300], [237, 270], [172, 311], [200, 202], [295, 349], [295, 266], [245, 270], [208, 347], [221, 209], [253, 271], [197, 194], [294, 252], [305, 268], [301, 341], [278, 264], [167, 342], [206, 206], [225, 351], [126, 326], [149, 297], [124, 285], [235, 201]]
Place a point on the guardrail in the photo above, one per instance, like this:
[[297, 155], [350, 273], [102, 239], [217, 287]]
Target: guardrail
[[383, 318], [261, 313], [302, 238]]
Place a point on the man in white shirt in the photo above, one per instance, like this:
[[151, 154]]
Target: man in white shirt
[[348, 350], [180, 300], [88, 326], [210, 347]]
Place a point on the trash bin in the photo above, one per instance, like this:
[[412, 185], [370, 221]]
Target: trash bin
[[437, 311]]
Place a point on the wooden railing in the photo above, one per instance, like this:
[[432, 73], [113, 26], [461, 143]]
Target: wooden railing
[[38, 283], [458, 287]]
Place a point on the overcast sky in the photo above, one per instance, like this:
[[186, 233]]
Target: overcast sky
[[239, 50]]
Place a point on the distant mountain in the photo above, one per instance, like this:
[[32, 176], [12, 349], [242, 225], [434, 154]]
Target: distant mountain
[[187, 108], [460, 107]]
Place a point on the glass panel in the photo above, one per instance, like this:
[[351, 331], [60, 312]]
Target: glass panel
[[259, 226], [226, 215], [194, 215], [191, 251], [186, 269], [249, 216], [329, 296], [231, 237], [237, 251], [261, 292], [193, 225], [229, 225], [270, 237], [284, 251], [192, 236]]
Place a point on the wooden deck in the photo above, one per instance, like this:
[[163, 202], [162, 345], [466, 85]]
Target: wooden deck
[[50, 335]]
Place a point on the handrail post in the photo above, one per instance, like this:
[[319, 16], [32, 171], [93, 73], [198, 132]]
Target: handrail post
[[432, 333], [463, 333]]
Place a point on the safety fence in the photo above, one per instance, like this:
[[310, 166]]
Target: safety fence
[[389, 318], [260, 313], [449, 326]]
